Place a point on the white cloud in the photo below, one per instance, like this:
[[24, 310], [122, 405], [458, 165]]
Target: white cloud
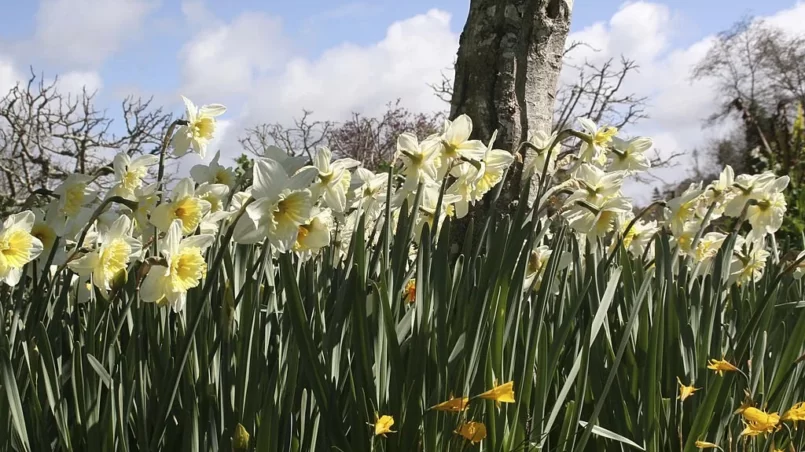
[[9, 75], [85, 32], [75, 82], [226, 59], [248, 61]]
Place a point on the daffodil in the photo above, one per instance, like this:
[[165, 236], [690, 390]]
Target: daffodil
[[639, 236], [597, 219], [501, 393], [745, 188], [214, 194], [315, 233], [183, 268], [427, 208], [536, 161], [684, 390], [409, 291], [333, 181], [766, 214], [683, 208], [630, 156], [759, 422], [44, 230], [281, 205], [184, 206], [595, 151], [596, 185], [455, 143], [419, 160], [495, 164], [383, 425], [116, 247], [200, 128], [749, 266], [129, 173], [370, 193], [720, 366], [706, 445], [795, 414], [472, 431], [147, 198], [214, 173], [74, 193], [17, 246], [454, 405]]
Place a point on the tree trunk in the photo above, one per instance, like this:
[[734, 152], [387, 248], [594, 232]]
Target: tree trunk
[[509, 59]]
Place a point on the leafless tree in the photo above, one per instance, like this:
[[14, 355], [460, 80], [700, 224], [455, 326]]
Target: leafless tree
[[46, 135], [303, 138], [372, 140]]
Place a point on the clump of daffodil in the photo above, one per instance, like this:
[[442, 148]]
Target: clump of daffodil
[[472, 431], [17, 246], [199, 130], [115, 248], [720, 366], [383, 425], [182, 269], [685, 391], [184, 206], [454, 405]]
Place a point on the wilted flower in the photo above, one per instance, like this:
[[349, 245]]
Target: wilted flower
[[706, 445], [685, 391], [472, 431], [383, 425]]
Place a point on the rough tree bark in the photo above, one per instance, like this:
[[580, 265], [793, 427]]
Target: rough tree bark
[[509, 59]]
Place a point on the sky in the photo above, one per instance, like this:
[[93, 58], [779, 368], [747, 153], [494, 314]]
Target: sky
[[267, 60]]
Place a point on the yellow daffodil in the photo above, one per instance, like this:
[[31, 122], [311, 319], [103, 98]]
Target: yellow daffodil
[[473, 432], [454, 405], [720, 366], [706, 445], [17, 246], [758, 422], [116, 247], [383, 425], [502, 393], [409, 291], [200, 128], [685, 391], [182, 270], [795, 414]]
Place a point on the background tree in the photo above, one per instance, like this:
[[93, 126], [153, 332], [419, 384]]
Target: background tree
[[46, 135]]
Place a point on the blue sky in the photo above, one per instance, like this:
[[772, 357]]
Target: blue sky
[[266, 60]]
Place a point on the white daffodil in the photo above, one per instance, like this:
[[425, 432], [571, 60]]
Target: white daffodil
[[116, 247], [184, 205], [17, 246], [596, 219], [708, 247], [630, 155], [427, 209], [596, 150], [683, 208], [639, 236], [215, 194], [595, 184], [455, 143], [74, 195], [535, 161], [334, 179], [200, 128], [748, 267], [537, 261], [290, 163], [167, 283], [800, 270], [214, 173], [766, 215], [370, 195], [419, 160], [315, 233], [129, 173], [745, 188], [495, 163], [146, 198], [281, 205], [463, 187]]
